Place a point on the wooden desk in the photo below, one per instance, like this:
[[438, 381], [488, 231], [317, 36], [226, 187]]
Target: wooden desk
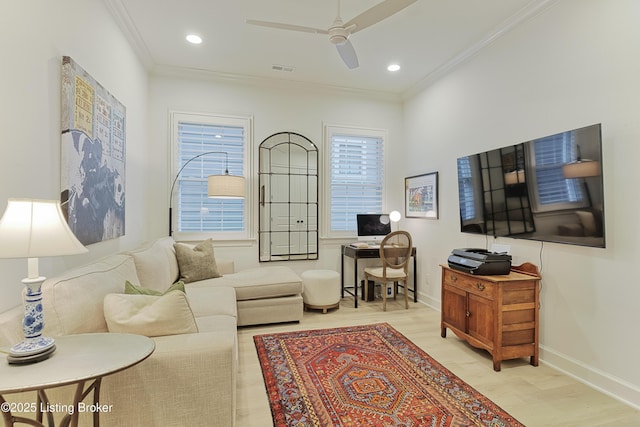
[[368, 253], [77, 359]]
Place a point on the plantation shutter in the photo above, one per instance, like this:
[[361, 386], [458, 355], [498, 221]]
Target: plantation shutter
[[551, 153], [196, 211], [357, 177], [465, 187]]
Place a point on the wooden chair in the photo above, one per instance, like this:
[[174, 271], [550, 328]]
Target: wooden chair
[[395, 253]]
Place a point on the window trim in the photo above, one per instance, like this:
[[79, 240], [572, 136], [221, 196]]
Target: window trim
[[329, 129], [213, 119]]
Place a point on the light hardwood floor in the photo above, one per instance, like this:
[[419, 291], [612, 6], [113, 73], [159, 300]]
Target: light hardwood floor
[[536, 396]]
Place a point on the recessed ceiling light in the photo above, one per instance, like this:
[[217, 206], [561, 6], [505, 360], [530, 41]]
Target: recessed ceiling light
[[194, 39], [393, 67]]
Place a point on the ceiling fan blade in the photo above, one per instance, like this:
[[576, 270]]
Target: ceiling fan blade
[[377, 13], [286, 26], [348, 54]]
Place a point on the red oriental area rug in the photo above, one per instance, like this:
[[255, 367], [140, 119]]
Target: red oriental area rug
[[367, 375]]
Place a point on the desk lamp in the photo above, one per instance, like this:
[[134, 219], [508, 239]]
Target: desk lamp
[[395, 216], [32, 229]]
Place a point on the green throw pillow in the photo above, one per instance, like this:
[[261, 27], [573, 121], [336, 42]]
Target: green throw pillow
[[131, 289]]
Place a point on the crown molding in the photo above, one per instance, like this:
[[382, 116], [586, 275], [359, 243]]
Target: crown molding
[[131, 33], [270, 82], [532, 9]]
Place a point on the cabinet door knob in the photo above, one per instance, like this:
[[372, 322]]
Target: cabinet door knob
[[480, 286], [454, 278], [467, 313]]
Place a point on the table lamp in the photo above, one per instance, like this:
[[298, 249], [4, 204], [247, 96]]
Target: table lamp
[[32, 229]]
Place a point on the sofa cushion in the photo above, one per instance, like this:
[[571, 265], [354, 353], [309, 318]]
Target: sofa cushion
[[258, 283], [150, 315], [131, 289], [209, 301], [11, 326], [197, 262], [270, 310], [72, 302], [216, 323], [591, 222], [156, 263]]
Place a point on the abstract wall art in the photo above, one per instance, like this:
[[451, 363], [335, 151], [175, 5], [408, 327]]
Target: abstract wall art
[[92, 157]]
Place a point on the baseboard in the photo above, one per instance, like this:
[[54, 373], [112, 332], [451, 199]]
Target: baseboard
[[429, 302], [608, 384]]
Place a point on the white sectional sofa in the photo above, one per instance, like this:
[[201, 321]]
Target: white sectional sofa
[[190, 379]]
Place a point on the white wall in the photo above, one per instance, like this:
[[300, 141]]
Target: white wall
[[34, 35], [575, 64], [275, 107]]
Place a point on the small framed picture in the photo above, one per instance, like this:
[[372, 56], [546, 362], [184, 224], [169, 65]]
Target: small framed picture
[[421, 196]]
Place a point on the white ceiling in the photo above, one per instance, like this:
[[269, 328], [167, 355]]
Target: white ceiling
[[426, 39]]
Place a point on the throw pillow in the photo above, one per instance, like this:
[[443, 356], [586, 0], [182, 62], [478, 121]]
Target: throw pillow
[[131, 289], [197, 262], [149, 315]]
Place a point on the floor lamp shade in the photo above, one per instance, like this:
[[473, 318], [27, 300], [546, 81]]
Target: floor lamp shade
[[581, 169], [514, 177], [223, 186], [32, 229], [226, 186]]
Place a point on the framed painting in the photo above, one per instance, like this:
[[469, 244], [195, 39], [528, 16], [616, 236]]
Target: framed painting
[[421, 196], [93, 130]]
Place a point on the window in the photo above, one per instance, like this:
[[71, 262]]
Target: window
[[194, 211], [355, 177], [555, 192], [465, 191]]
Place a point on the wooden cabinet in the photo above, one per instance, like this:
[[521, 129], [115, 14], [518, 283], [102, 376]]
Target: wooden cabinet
[[497, 313]]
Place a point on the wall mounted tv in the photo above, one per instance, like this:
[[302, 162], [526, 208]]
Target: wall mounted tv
[[548, 189]]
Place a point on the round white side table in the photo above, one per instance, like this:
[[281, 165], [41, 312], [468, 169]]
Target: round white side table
[[77, 359]]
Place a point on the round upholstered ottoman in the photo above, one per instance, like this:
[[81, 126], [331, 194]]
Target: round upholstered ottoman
[[321, 289]]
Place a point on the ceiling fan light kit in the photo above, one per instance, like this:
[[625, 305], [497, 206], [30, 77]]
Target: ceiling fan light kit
[[339, 32]]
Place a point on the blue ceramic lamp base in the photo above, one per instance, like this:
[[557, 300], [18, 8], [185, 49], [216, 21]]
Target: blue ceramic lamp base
[[34, 347]]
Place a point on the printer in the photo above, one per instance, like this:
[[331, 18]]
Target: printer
[[480, 261]]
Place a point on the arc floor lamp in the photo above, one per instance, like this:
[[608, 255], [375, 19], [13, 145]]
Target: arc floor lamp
[[218, 186]]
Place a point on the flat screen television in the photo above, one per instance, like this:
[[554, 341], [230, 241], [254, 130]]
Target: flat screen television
[[547, 189], [373, 227]]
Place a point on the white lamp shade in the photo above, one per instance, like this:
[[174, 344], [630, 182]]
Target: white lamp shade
[[36, 228], [226, 186], [395, 216], [581, 169]]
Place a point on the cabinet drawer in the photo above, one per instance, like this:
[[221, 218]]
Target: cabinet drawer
[[469, 284]]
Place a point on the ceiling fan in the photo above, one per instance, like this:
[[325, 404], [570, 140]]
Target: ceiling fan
[[339, 31]]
